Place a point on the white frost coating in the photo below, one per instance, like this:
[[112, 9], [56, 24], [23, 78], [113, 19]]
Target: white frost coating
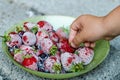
[[47, 26], [15, 40], [30, 25], [61, 33], [64, 60], [69, 59], [41, 35], [86, 54], [31, 38], [49, 63], [77, 59], [19, 57], [46, 44]]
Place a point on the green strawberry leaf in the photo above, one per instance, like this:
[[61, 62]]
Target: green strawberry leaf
[[77, 67], [82, 45], [53, 50], [57, 68], [17, 51], [6, 37], [18, 29], [27, 56], [76, 52], [34, 29]]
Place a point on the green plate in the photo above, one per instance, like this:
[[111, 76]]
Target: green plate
[[101, 50]]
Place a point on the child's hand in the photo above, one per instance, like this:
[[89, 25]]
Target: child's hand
[[87, 29]]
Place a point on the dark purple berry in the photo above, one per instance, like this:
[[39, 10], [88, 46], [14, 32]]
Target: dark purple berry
[[40, 66], [39, 47], [10, 49], [21, 33], [44, 56]]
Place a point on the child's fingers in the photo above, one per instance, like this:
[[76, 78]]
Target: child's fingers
[[87, 44], [72, 35], [77, 40], [92, 45], [74, 29]]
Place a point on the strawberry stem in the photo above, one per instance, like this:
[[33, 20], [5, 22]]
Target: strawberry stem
[[17, 29], [77, 67], [57, 67], [34, 29], [53, 50], [2, 36]]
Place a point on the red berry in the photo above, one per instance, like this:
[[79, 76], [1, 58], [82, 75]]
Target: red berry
[[66, 47], [41, 23], [39, 33], [70, 60], [25, 38], [53, 57], [41, 52], [29, 61]]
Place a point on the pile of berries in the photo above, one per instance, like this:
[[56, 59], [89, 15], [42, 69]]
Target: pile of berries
[[38, 47]]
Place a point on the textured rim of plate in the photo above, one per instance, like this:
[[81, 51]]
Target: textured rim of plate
[[43, 74]]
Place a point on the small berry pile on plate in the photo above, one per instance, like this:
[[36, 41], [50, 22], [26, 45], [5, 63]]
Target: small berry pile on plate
[[38, 47]]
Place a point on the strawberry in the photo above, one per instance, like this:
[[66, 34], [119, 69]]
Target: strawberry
[[53, 36], [44, 25], [28, 26], [18, 55], [62, 32], [27, 49], [13, 39], [52, 64], [39, 52], [29, 38], [30, 62], [71, 62], [86, 54], [41, 23], [41, 35], [48, 46], [64, 46]]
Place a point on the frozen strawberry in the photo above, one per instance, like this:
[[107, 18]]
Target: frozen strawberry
[[86, 54], [18, 55], [26, 48], [21, 33], [41, 35], [71, 62], [29, 50], [53, 36], [62, 32], [12, 49], [52, 64], [64, 46], [29, 38], [39, 52], [28, 26], [41, 66], [30, 62], [44, 25], [13, 39], [58, 54], [48, 46]]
